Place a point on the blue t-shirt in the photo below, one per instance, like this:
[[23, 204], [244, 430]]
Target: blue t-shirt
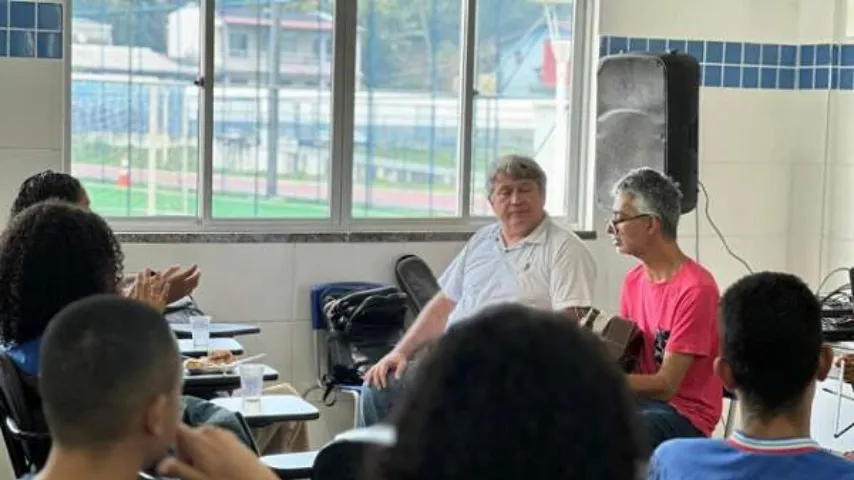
[[740, 457], [26, 356]]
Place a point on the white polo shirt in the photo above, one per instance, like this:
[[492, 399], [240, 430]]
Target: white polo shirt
[[550, 269]]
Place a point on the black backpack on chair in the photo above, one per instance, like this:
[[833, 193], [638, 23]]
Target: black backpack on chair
[[363, 326], [182, 310]]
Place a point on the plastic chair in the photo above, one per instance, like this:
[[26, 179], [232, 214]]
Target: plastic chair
[[28, 442], [291, 466], [320, 328], [343, 458], [729, 422]]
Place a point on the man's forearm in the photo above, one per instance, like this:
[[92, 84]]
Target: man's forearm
[[654, 387], [429, 325]]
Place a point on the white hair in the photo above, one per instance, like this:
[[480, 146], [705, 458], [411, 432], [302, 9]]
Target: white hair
[[653, 193], [516, 167]]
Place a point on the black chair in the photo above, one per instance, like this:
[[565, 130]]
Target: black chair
[[344, 457], [415, 278], [27, 438], [291, 466], [729, 421], [287, 466]]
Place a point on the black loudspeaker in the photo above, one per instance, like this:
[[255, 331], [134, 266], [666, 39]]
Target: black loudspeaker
[[647, 116]]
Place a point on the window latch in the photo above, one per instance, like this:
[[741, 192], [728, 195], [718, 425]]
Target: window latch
[[199, 82]]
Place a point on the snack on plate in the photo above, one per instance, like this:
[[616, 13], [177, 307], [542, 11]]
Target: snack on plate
[[194, 363], [216, 358], [220, 357]]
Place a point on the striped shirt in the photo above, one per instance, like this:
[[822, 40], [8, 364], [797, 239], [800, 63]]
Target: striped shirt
[[742, 457]]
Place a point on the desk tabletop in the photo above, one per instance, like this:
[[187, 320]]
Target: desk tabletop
[[843, 347], [225, 381], [273, 408], [291, 465], [188, 349], [218, 330]]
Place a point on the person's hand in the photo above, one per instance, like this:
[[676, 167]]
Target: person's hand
[[150, 288], [378, 374], [181, 282], [210, 453]]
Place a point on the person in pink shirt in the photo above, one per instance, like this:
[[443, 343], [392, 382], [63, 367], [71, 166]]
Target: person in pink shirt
[[674, 302]]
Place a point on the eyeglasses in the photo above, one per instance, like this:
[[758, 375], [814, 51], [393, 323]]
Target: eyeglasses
[[614, 222]]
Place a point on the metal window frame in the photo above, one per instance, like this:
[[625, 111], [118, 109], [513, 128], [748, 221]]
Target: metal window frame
[[582, 135]]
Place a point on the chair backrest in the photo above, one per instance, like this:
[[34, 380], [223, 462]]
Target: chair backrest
[[344, 457], [23, 410], [415, 278], [14, 448], [318, 292], [244, 426]]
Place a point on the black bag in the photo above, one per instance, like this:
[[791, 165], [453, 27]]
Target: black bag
[[182, 310], [416, 279], [363, 326]]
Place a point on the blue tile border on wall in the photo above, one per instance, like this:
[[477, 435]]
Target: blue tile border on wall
[[31, 29], [753, 65]]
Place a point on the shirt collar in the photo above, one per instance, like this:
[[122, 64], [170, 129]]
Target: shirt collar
[[537, 236], [783, 446]]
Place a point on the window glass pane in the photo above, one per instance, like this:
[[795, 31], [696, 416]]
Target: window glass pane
[[519, 98], [273, 65], [407, 109], [134, 109]]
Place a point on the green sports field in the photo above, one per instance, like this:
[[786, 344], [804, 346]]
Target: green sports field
[[112, 201]]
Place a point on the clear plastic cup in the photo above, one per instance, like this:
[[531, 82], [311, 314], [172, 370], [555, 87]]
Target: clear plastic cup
[[200, 327], [251, 382]]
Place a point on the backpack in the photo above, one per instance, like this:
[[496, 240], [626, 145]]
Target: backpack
[[182, 310], [363, 326]]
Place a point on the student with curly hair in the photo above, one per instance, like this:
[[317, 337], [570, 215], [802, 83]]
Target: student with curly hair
[[48, 185], [52, 254]]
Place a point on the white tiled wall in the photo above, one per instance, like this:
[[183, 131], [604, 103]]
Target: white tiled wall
[[769, 21], [764, 160], [822, 219]]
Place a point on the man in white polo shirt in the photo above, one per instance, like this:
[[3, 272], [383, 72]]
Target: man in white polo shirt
[[525, 257]]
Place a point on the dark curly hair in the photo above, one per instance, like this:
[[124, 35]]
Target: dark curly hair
[[514, 393], [52, 254], [46, 185]]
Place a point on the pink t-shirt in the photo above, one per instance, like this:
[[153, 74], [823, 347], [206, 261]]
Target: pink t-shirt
[[679, 316]]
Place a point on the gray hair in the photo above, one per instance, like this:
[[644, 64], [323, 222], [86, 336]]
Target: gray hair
[[653, 193], [516, 167]]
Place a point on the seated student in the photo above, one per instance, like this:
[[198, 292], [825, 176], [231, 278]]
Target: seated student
[[525, 257], [54, 253], [772, 356], [511, 393], [673, 301], [62, 186], [111, 388]]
